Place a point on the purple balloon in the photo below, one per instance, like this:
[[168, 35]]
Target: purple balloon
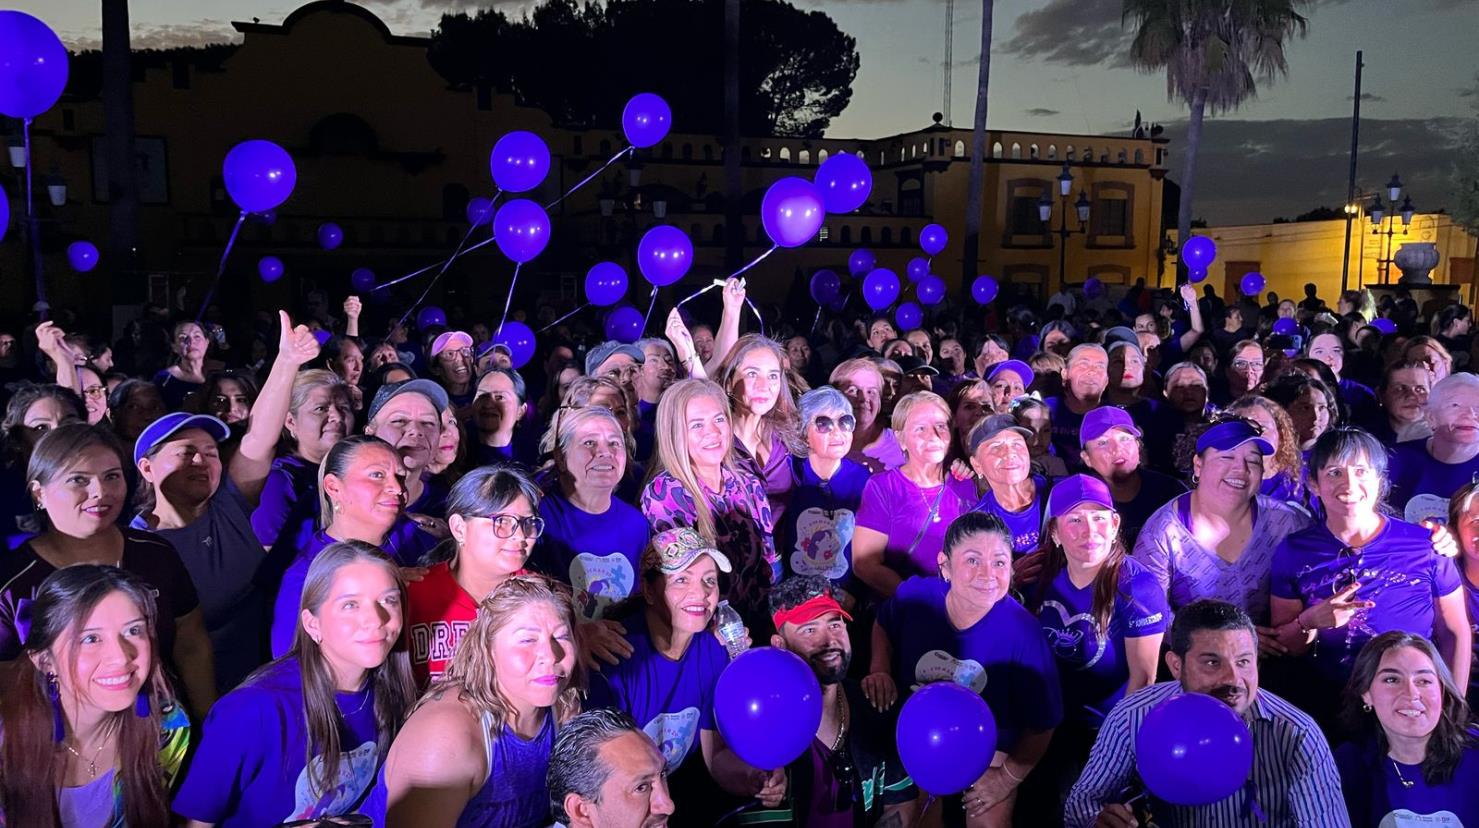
[[1198, 251], [605, 284], [940, 733], [33, 65], [792, 212], [330, 236], [1093, 288], [932, 239], [861, 261], [259, 175], [1287, 327], [269, 268], [918, 268], [825, 287], [844, 182], [1252, 284], [362, 279], [768, 705], [880, 288], [624, 324], [519, 161], [646, 119], [521, 229], [431, 316], [1383, 324], [984, 289], [479, 211], [322, 336], [1196, 275], [519, 339], [664, 255], [82, 255], [931, 290], [1193, 750], [908, 315]]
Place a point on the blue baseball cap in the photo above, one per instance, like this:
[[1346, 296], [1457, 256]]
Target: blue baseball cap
[[1073, 490], [1017, 367], [1231, 434], [170, 424], [425, 387], [1102, 419]]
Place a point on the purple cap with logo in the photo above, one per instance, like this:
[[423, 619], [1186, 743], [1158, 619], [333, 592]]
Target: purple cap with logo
[[1102, 419]]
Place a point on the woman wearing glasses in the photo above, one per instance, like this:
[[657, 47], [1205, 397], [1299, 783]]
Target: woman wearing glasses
[[493, 514], [815, 535], [1244, 372], [1360, 573]]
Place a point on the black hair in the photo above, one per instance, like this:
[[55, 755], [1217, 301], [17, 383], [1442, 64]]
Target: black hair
[[1207, 614], [575, 764], [797, 590], [972, 523]]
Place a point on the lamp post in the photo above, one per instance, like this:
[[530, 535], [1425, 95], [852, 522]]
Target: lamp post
[[1045, 214], [1390, 211]]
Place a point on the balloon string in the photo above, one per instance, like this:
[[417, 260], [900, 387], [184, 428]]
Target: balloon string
[[757, 260], [462, 248], [650, 305], [736, 812], [717, 283], [221, 268], [507, 303], [563, 318], [587, 179], [428, 268], [446, 265], [35, 240], [929, 800], [818, 320]]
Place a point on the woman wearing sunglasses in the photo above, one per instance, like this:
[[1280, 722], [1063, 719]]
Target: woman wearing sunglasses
[[1360, 573], [814, 536], [493, 515]]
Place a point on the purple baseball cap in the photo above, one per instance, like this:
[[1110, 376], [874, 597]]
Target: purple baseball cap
[[1016, 366], [1231, 434], [1102, 419], [170, 424], [1075, 489]]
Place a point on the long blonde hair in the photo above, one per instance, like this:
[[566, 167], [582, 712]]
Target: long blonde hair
[[472, 672], [781, 420], [672, 444]]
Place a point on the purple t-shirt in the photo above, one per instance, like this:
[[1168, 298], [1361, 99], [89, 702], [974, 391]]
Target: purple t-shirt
[[1421, 486], [251, 768], [1398, 570], [598, 555], [671, 700], [814, 536], [1381, 793], [288, 509], [776, 474], [1091, 661], [893, 505], [405, 543], [1066, 424], [1471, 600], [1025, 525], [1004, 656]]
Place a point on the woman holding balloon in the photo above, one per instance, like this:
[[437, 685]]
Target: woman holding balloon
[[765, 419]]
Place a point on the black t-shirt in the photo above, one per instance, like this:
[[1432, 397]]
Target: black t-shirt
[[145, 554]]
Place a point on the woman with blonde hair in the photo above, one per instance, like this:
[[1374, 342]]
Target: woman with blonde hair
[[476, 748], [766, 428], [874, 444], [697, 481], [1429, 351]]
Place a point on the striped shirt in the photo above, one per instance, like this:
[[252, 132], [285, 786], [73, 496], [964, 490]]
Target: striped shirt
[[1295, 782]]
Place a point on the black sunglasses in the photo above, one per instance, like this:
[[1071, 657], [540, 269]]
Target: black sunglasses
[[825, 424], [1224, 417], [845, 773]]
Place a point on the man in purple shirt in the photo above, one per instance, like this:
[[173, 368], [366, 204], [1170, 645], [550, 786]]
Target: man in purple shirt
[[1084, 381]]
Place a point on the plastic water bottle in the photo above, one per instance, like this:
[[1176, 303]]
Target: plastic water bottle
[[731, 629]]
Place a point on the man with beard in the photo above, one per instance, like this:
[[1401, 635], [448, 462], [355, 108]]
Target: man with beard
[[408, 415], [851, 776], [604, 772], [1085, 378], [1214, 650]]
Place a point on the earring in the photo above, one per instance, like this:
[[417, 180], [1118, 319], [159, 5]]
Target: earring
[[1366, 708], [58, 721], [141, 704]]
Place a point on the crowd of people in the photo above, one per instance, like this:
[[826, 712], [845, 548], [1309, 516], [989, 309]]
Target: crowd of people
[[326, 578]]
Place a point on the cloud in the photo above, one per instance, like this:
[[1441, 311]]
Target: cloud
[[1366, 96], [1074, 32], [1039, 112], [1250, 171], [168, 35]]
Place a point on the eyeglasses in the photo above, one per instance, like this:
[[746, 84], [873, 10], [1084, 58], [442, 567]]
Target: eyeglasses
[[455, 352], [624, 374], [505, 525], [1247, 364], [844, 772], [825, 424], [95, 391]]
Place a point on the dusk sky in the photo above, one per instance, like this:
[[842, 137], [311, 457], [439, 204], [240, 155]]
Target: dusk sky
[[1060, 65]]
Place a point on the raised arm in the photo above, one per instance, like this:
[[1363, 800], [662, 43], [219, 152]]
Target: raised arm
[[682, 340], [728, 333], [49, 338], [1188, 339], [352, 308], [253, 459]]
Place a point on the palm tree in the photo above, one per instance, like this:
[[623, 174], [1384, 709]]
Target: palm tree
[[1215, 53], [971, 246]]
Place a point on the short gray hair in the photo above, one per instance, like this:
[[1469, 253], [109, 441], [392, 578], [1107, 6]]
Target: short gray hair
[[820, 400], [1186, 366], [575, 764], [656, 340], [1080, 350], [1450, 385]]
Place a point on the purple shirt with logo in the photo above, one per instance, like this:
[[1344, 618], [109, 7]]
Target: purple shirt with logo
[[1421, 485], [600, 556], [814, 536], [1026, 525], [1381, 793]]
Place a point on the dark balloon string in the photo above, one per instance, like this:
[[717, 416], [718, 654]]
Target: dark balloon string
[[650, 305], [563, 318], [431, 267], [35, 238], [587, 179], [507, 303], [221, 268], [461, 248]]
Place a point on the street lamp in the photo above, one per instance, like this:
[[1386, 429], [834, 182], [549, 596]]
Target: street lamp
[[1390, 211], [1045, 214]]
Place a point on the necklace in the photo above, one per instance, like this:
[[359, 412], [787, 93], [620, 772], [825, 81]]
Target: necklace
[[1406, 783], [841, 719], [92, 764]]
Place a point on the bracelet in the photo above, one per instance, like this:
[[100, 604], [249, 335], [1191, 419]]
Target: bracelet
[[1012, 776], [1299, 622]]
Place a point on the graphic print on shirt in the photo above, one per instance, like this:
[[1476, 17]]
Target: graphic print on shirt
[[600, 582], [356, 775], [1075, 639], [938, 665], [1426, 507], [821, 535], [1403, 818], [673, 734], [436, 641]]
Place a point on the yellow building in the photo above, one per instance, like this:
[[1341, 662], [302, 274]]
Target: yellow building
[[1291, 255], [385, 148]]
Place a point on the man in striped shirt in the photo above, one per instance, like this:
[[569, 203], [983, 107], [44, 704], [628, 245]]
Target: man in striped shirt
[[1214, 650]]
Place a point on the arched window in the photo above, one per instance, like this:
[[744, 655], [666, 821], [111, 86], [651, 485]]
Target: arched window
[[1052, 152], [886, 236], [1088, 155], [803, 157], [867, 236], [905, 235], [1121, 157], [1069, 154], [1139, 156], [785, 154], [821, 156], [913, 152], [996, 149], [959, 149], [1032, 152], [766, 153], [1016, 151]]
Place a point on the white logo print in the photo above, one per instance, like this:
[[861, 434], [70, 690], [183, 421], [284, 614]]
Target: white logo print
[[938, 665], [1074, 639], [600, 582], [820, 540], [673, 734]]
